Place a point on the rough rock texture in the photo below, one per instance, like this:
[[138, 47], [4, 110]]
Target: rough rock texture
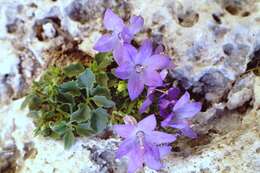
[[237, 150], [225, 35], [213, 43]]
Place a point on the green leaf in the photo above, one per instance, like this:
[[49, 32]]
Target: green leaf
[[35, 103], [69, 139], [121, 86], [26, 101], [65, 107], [68, 86], [33, 114], [102, 79], [71, 87], [59, 128], [84, 129], [99, 90], [99, 119], [66, 98], [103, 101], [103, 60], [73, 70], [82, 114], [86, 79]]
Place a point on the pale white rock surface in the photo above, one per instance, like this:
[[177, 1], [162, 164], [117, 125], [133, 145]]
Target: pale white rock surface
[[235, 151], [257, 92], [211, 43]]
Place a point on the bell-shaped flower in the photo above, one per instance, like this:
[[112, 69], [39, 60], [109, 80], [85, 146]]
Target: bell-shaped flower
[[167, 101], [142, 68], [182, 111], [143, 144], [120, 36]]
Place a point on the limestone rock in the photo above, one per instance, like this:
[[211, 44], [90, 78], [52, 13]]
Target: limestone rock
[[211, 43], [257, 92]]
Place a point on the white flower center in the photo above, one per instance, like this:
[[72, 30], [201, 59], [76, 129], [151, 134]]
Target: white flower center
[[139, 68], [119, 35], [140, 138]]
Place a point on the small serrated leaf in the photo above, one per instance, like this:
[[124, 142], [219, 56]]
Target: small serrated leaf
[[102, 79], [84, 129], [69, 139], [65, 107], [82, 114], [73, 70], [103, 60], [66, 98], [99, 90], [121, 86], [35, 103], [103, 101], [26, 101], [86, 79], [68, 86], [99, 119], [59, 128]]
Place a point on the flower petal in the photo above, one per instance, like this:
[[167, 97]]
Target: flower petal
[[136, 24], [123, 71], [124, 130], [167, 121], [164, 73], [126, 35], [164, 150], [159, 49], [173, 93], [147, 102], [152, 78], [152, 157], [135, 86], [136, 160], [125, 147], [112, 21], [131, 51], [182, 101], [187, 131], [145, 51], [106, 43], [148, 123], [157, 137], [157, 62], [118, 54], [188, 111], [123, 53]]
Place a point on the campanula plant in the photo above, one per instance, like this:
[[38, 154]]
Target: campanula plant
[[180, 113], [74, 101], [141, 68], [68, 102], [146, 67], [121, 35], [143, 144]]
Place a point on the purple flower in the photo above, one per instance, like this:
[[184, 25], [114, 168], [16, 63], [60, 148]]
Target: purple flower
[[141, 68], [167, 101], [182, 111], [141, 144], [148, 101], [121, 34]]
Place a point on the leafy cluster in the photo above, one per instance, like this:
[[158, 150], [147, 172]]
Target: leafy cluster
[[69, 102], [103, 65], [79, 101]]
